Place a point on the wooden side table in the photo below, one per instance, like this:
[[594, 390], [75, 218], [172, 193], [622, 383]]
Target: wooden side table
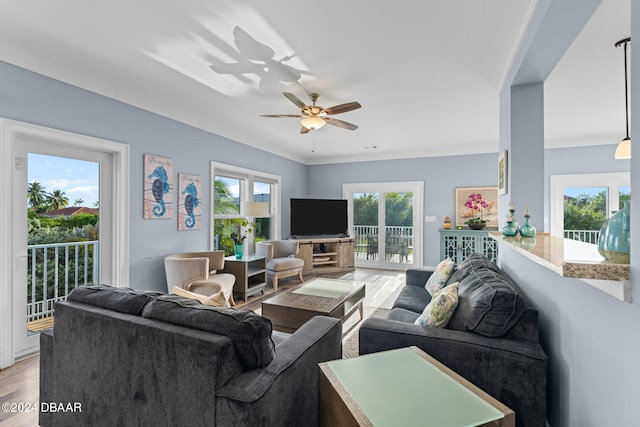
[[403, 387], [250, 272]]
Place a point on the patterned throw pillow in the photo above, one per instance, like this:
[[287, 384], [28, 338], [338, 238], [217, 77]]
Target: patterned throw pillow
[[438, 312], [440, 276]]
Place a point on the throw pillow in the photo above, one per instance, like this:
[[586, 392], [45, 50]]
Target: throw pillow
[[441, 307], [216, 300], [440, 275]]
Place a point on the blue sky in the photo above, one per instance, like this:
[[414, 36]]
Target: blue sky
[[77, 179], [591, 191]]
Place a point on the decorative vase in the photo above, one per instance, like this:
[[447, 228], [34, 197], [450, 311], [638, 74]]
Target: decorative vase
[[238, 250], [615, 237], [477, 225], [510, 228], [527, 230]]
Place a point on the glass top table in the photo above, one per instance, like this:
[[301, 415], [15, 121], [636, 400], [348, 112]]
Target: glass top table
[[406, 387], [317, 297], [329, 288]]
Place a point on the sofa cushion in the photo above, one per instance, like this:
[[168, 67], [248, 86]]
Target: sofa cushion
[[249, 332], [440, 275], [488, 304], [286, 263], [403, 315], [440, 309], [123, 300], [413, 298]]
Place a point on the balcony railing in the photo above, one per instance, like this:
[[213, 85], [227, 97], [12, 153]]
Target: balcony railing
[[588, 236], [56, 269], [398, 242]]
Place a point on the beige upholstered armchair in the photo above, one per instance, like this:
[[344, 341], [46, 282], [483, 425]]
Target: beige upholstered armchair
[[197, 272], [281, 259]]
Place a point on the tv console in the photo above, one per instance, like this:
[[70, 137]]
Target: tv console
[[326, 254]]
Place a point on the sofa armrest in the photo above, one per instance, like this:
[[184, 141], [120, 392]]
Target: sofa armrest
[[418, 276], [320, 337], [286, 391]]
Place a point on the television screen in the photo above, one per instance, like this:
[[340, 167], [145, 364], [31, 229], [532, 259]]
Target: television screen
[[318, 217]]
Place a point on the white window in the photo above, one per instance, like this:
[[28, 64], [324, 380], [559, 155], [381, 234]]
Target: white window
[[243, 194], [581, 203]]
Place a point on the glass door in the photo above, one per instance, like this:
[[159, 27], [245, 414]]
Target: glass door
[[59, 195], [384, 220]]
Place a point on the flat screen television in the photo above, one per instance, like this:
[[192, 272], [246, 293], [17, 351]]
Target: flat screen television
[[318, 217]]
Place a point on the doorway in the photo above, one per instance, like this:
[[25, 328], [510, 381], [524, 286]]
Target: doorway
[[385, 221], [37, 276]]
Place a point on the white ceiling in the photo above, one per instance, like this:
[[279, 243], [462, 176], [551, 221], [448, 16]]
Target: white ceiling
[[427, 74]]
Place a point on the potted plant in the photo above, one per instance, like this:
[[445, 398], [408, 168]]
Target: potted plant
[[242, 228], [477, 204]]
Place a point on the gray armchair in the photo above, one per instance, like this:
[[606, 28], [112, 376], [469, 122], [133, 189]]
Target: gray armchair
[[282, 259], [197, 272]]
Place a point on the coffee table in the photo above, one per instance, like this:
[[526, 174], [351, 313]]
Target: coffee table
[[403, 387], [317, 297]]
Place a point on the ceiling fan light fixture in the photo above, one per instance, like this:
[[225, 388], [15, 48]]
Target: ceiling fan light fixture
[[623, 151], [312, 122]]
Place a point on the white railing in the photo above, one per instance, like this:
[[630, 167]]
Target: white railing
[[398, 241], [589, 236], [56, 269]]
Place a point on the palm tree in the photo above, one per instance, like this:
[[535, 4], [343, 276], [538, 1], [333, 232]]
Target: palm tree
[[78, 202], [36, 196], [57, 200], [223, 199]]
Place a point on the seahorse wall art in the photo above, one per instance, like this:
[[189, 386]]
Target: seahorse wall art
[[158, 194], [189, 205]]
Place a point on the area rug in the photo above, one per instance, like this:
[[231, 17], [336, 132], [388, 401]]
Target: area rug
[[350, 329]]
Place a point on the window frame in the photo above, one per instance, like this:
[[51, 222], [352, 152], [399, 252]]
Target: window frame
[[613, 180], [247, 177]]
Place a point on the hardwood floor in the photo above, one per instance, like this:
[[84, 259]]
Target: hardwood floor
[[19, 383]]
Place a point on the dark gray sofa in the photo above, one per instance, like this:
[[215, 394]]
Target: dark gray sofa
[[133, 358], [491, 340]]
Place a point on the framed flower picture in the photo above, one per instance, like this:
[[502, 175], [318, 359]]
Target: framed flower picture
[[476, 202]]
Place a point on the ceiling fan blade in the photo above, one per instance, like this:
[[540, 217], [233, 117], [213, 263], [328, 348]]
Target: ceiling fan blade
[[343, 108], [304, 130], [291, 97], [281, 115], [340, 123]]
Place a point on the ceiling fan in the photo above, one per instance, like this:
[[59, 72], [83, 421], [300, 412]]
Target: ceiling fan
[[314, 116]]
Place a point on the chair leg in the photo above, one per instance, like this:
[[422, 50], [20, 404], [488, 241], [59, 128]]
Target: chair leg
[[300, 276], [232, 302], [275, 283]]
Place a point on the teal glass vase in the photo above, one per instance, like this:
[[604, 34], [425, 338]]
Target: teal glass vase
[[614, 241], [510, 229], [527, 230], [238, 250]]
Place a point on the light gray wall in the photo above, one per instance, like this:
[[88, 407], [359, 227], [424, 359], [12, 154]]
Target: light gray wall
[[440, 175], [591, 338], [32, 98]]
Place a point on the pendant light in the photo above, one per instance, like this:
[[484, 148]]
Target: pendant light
[[623, 151]]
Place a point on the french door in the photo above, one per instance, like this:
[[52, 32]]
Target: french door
[[38, 275], [385, 221]]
